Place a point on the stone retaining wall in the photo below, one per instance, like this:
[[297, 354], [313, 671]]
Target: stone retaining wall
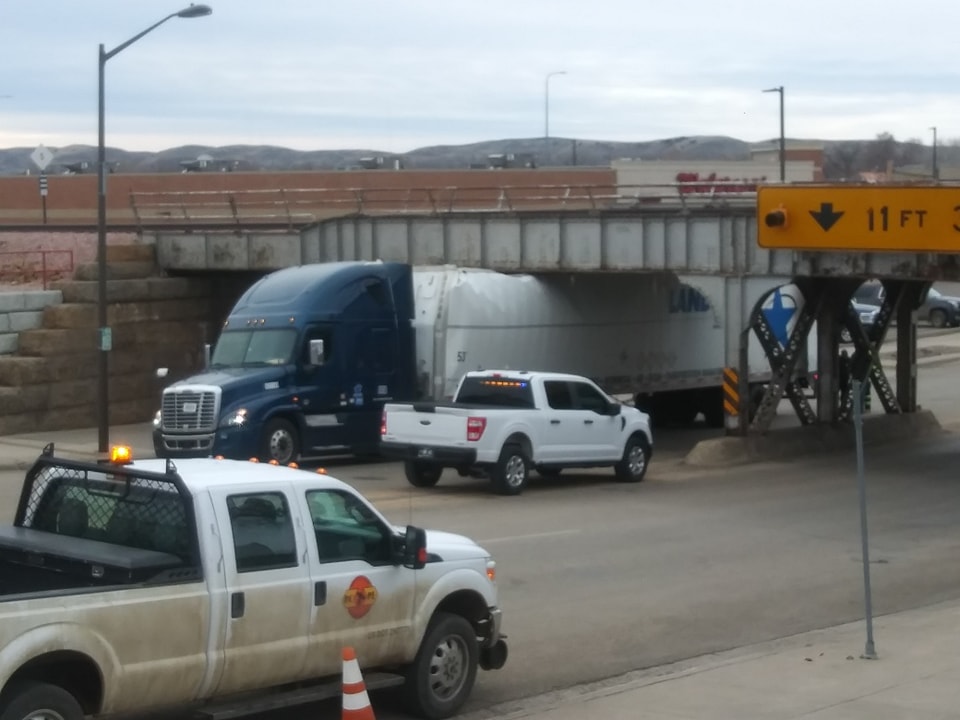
[[50, 381]]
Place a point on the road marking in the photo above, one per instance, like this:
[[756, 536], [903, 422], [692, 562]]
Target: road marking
[[533, 536]]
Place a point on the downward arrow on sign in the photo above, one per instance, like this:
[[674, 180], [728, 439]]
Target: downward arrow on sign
[[826, 217]]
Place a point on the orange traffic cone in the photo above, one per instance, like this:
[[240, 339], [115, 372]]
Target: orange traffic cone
[[356, 702]]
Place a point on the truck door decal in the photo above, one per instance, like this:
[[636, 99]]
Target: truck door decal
[[359, 597]]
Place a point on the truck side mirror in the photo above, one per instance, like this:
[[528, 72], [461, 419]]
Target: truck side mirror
[[316, 352], [415, 548], [613, 409], [162, 372]]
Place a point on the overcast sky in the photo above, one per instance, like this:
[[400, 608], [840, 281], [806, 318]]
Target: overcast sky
[[400, 74]]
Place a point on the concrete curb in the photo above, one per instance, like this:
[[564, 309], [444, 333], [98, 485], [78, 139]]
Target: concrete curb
[[779, 445]]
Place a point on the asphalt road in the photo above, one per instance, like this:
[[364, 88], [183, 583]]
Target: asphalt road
[[599, 578]]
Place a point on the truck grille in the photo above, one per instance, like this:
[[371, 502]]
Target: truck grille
[[190, 409]]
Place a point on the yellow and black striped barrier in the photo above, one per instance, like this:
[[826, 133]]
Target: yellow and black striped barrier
[[731, 392]]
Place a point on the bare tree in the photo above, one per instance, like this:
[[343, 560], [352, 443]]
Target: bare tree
[[880, 153], [840, 161]]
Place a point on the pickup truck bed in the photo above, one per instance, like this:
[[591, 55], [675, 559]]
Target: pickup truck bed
[[37, 561]]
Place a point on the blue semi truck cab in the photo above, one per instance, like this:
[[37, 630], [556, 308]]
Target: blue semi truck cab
[[302, 367]]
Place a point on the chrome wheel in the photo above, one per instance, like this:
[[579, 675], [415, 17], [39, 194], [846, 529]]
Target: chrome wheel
[[448, 668], [515, 473], [281, 446], [44, 715], [633, 465], [279, 442], [636, 460]]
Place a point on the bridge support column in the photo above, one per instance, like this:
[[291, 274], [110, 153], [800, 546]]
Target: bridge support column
[[907, 345], [828, 357]]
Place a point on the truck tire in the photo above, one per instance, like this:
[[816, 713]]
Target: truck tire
[[510, 474], [280, 442], [636, 456], [39, 701], [441, 677], [422, 474]]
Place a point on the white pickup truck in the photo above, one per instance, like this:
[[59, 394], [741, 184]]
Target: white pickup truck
[[502, 423], [225, 588]]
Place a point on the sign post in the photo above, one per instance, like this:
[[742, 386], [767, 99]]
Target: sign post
[[869, 651], [42, 157]]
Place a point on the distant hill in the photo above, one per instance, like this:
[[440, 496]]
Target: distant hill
[[842, 158]]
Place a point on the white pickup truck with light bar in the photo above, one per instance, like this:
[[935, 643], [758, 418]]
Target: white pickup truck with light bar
[[503, 423], [226, 588]]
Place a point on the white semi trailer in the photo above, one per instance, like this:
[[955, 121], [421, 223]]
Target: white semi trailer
[[659, 338]]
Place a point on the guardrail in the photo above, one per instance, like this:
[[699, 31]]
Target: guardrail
[[297, 207], [27, 272]]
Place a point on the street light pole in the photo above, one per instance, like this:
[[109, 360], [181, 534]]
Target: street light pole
[[546, 101], [936, 168], [783, 137], [104, 339]]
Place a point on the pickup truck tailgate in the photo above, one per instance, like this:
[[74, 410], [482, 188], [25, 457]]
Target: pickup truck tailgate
[[426, 425]]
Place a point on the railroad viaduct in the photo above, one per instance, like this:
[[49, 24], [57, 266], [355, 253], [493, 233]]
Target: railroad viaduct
[[212, 241]]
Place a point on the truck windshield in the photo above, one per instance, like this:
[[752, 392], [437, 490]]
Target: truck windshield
[[496, 391], [242, 348]]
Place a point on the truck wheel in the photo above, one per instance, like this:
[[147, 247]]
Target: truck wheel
[[442, 675], [509, 476], [280, 442], [422, 474], [633, 466], [40, 701]]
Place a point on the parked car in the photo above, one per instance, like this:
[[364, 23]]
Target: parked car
[[870, 293], [868, 318], [939, 309]]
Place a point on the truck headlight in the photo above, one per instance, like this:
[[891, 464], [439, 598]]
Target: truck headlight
[[235, 419], [157, 419]]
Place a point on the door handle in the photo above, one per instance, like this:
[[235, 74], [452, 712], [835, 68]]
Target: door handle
[[588, 422], [320, 593], [554, 422], [237, 605]]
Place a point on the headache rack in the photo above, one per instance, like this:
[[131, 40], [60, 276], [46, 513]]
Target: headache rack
[[113, 504]]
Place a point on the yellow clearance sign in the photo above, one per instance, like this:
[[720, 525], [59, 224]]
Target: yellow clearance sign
[[857, 217]]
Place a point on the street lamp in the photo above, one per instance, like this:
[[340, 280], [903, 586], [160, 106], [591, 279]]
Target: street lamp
[[546, 101], [783, 139], [104, 339], [936, 169]]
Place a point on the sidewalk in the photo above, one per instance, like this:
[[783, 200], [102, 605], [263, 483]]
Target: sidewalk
[[18, 452], [818, 675]]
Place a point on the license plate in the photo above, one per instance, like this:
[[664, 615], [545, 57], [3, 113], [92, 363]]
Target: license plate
[[189, 407], [425, 453]]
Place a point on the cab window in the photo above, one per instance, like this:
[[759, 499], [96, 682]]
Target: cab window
[[263, 536], [589, 398], [558, 394], [346, 529]]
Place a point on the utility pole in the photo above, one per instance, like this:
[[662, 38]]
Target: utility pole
[[783, 137], [936, 168]]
